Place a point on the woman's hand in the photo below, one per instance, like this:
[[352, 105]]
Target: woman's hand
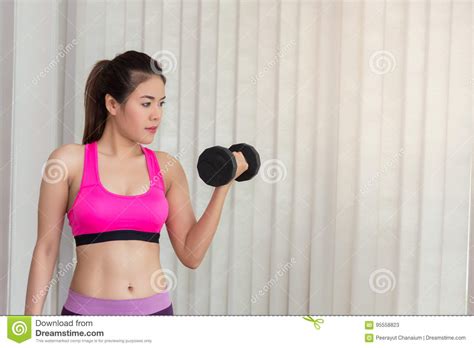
[[242, 164]]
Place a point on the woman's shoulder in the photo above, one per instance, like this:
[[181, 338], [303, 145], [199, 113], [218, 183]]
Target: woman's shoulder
[[68, 152], [169, 166], [68, 148], [166, 160], [68, 156], [163, 155]]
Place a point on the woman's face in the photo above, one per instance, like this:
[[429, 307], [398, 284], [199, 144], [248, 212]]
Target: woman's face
[[142, 110]]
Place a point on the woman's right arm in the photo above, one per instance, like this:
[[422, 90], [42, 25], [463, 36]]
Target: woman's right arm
[[52, 206]]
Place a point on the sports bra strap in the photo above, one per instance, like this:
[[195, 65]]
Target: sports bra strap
[[156, 175], [89, 172]]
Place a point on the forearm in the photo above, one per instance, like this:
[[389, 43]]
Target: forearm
[[41, 269], [201, 234]]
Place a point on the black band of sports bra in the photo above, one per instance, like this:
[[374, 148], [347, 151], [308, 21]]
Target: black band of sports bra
[[90, 238]]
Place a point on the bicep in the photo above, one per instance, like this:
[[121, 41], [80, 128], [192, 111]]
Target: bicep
[[52, 202], [181, 216]]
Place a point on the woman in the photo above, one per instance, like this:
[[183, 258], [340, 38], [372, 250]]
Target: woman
[[117, 195]]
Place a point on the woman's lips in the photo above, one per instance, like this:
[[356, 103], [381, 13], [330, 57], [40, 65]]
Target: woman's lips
[[151, 129]]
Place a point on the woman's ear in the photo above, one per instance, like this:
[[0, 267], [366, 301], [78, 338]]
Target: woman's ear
[[111, 104]]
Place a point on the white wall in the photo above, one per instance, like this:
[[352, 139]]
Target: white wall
[[361, 112], [6, 80]]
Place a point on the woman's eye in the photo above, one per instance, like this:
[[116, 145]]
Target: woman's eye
[[148, 104]]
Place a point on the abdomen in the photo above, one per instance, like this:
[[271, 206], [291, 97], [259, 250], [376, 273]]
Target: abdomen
[[122, 269]]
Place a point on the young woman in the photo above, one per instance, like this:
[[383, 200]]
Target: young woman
[[117, 195]]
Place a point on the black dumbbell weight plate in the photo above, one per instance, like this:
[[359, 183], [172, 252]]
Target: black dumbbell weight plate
[[216, 166]]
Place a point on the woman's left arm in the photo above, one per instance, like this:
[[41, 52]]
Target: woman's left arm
[[191, 238]]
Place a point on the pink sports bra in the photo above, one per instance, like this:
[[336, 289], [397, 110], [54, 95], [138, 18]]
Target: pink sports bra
[[98, 215]]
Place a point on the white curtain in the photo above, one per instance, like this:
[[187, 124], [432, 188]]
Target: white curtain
[[361, 112]]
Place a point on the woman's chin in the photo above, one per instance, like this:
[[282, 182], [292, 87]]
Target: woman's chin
[[147, 140]]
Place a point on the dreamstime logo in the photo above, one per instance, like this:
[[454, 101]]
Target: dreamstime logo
[[172, 161], [273, 171], [63, 270], [54, 171], [163, 277], [19, 328], [270, 64], [382, 62], [164, 168], [278, 274], [382, 281], [384, 170], [53, 63], [167, 60]]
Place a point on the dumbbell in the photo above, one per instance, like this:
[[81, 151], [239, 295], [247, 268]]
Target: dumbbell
[[217, 165]]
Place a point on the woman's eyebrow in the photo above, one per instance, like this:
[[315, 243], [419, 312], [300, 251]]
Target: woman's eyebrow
[[151, 97]]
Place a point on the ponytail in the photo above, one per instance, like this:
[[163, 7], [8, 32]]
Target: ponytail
[[94, 104]]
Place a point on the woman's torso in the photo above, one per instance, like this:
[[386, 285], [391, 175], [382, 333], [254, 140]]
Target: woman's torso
[[119, 269]]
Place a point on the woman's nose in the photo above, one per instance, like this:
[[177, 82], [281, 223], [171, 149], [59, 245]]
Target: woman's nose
[[156, 115]]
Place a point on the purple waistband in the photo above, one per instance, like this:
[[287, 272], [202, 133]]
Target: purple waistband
[[86, 305]]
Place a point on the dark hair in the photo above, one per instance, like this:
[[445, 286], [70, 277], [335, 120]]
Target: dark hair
[[118, 77]]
